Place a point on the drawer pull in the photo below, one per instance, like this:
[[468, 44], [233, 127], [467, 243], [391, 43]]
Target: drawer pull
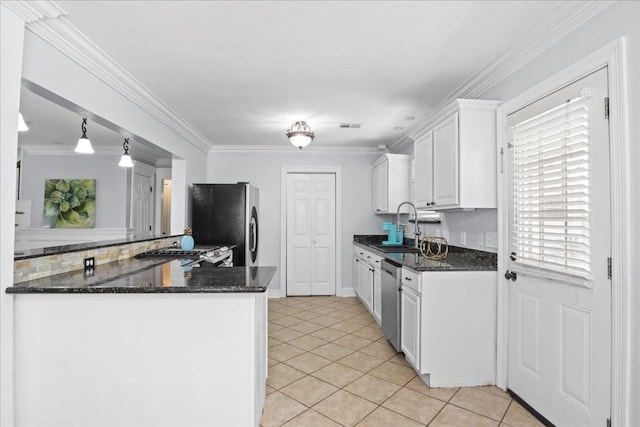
[[407, 278]]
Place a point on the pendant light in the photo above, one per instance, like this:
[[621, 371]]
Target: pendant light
[[22, 125], [84, 145], [125, 160], [300, 134]]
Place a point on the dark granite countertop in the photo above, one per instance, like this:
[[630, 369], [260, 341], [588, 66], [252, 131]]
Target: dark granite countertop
[[152, 275], [458, 259], [55, 250]]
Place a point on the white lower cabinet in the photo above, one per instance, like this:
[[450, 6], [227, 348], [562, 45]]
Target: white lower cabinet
[[410, 326], [367, 280], [448, 326]]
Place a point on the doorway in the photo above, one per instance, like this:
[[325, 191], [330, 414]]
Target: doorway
[[310, 253], [165, 212], [141, 200], [559, 298]]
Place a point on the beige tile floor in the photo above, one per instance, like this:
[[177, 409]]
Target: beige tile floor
[[330, 365]]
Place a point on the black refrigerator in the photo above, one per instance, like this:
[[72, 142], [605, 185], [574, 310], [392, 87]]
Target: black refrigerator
[[227, 214]]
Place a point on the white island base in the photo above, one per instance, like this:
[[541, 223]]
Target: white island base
[[140, 360]]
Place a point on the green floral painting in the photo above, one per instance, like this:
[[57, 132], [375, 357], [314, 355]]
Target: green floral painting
[[69, 203]]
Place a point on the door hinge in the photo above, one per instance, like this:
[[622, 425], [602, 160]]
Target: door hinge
[[606, 108], [609, 268]]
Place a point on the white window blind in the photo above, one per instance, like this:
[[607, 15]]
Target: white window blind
[[552, 190]]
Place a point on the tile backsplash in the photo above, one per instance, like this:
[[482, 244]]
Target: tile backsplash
[[48, 265]]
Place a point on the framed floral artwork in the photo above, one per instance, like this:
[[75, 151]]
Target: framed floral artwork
[[69, 203]]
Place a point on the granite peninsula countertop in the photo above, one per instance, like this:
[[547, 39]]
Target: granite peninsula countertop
[[458, 259], [152, 275], [76, 247]]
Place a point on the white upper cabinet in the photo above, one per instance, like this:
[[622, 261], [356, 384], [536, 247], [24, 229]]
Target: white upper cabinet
[[391, 182], [455, 157]]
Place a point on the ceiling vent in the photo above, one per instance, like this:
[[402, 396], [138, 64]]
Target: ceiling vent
[[350, 125]]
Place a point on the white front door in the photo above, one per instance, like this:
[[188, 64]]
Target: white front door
[[559, 317], [311, 234], [141, 201]]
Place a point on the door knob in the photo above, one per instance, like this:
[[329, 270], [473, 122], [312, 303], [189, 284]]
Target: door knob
[[511, 275]]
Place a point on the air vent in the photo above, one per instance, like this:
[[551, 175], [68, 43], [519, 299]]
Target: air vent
[[350, 125]]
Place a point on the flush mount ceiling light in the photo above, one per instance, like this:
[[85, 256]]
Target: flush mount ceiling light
[[22, 125], [84, 145], [125, 160], [300, 134]]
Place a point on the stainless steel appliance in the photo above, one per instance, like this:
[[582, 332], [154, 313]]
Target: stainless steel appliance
[[390, 302], [221, 256], [227, 214]]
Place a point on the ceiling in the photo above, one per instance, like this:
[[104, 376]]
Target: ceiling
[[240, 72]]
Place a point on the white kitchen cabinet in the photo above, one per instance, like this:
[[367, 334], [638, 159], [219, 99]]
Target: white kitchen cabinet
[[448, 321], [455, 157], [423, 176], [367, 280], [410, 326], [391, 182]]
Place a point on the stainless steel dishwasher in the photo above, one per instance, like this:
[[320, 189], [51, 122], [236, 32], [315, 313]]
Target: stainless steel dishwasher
[[390, 287]]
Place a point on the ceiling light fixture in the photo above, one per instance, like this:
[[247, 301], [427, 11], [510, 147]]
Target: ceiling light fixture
[[22, 125], [125, 160], [300, 134], [84, 145]]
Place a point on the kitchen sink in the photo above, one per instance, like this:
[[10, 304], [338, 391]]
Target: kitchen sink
[[399, 248]]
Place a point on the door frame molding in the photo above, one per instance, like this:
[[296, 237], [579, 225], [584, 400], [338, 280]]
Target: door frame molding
[[614, 57], [285, 170]]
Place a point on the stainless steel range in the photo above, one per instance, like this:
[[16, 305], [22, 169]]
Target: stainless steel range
[[219, 255]]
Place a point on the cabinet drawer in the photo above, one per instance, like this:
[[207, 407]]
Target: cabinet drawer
[[412, 279]]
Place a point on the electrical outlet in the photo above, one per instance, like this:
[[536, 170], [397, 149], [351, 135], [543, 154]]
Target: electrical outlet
[[89, 266], [463, 237], [492, 239], [480, 239]]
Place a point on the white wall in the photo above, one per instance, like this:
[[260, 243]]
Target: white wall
[[619, 19], [263, 170], [111, 184], [25, 55], [11, 36]]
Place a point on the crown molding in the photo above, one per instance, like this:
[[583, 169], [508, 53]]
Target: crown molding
[[288, 148], [63, 36], [551, 28], [31, 11]]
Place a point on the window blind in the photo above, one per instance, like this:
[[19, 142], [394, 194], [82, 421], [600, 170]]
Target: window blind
[[552, 190]]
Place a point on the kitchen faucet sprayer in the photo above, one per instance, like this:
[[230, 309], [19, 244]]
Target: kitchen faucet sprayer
[[417, 233]]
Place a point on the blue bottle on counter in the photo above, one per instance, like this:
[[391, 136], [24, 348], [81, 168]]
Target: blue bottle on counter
[[187, 243]]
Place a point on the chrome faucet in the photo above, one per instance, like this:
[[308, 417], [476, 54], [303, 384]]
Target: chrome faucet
[[415, 214]]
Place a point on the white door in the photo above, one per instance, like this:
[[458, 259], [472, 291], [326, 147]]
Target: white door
[[559, 242], [141, 201], [311, 234]]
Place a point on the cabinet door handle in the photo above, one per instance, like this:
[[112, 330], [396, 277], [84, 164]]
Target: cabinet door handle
[[407, 279]]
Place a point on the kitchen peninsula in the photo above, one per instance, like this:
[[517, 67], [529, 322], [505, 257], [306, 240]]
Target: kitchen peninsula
[[144, 342]]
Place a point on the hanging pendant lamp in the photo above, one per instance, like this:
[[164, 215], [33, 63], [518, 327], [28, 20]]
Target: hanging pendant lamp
[[300, 134], [84, 145], [125, 160]]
